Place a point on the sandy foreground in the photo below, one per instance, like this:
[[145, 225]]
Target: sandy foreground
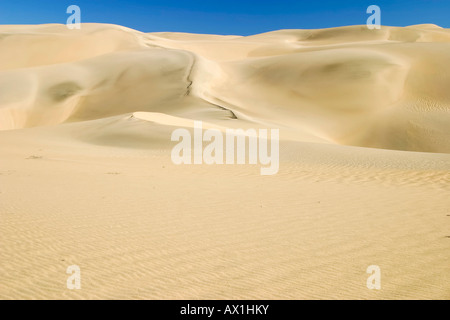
[[86, 176]]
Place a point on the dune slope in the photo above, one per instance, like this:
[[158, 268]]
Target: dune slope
[[86, 176]]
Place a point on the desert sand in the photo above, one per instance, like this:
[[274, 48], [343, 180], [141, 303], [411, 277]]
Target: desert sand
[[86, 176]]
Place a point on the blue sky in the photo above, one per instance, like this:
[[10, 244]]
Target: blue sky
[[242, 17]]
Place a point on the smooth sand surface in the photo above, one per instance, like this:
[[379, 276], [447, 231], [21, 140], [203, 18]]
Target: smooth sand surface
[[86, 176]]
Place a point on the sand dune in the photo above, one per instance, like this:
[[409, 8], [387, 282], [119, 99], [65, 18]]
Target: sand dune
[[86, 176], [385, 89]]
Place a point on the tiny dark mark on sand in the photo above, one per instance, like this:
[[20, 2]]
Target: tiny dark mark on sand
[[34, 157], [113, 173]]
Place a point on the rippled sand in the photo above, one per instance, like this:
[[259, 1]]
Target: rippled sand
[[86, 176]]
